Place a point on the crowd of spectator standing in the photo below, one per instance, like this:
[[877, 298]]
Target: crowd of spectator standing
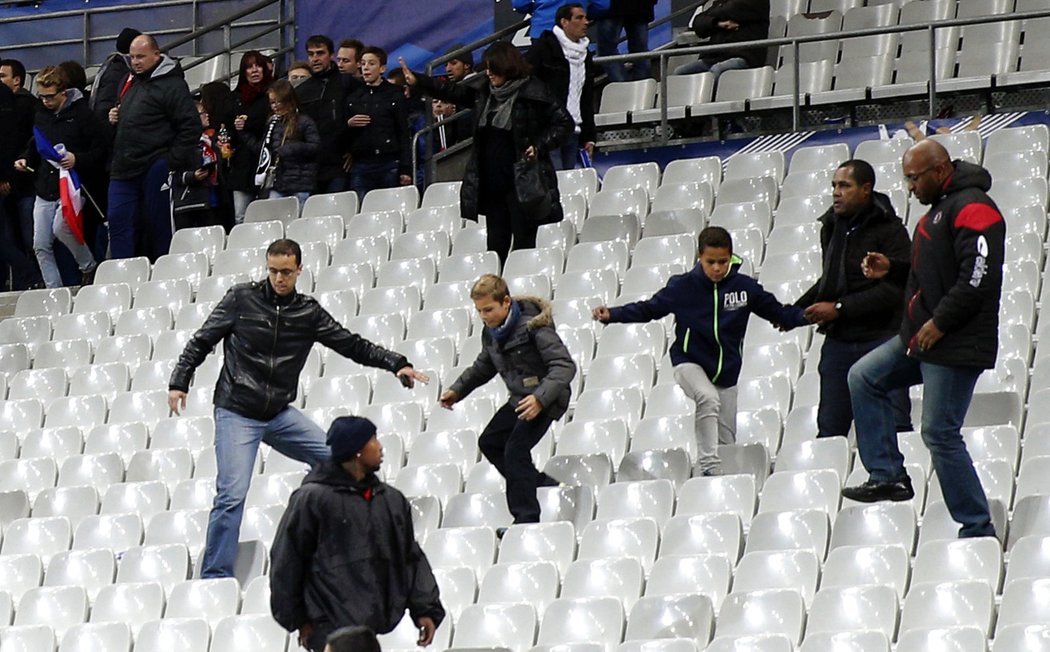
[[154, 155]]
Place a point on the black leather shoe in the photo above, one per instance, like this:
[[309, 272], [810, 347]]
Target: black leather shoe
[[873, 492]]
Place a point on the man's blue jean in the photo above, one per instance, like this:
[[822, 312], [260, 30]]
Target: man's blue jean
[[373, 175], [637, 41], [141, 202], [947, 392], [565, 156], [835, 412], [236, 444]]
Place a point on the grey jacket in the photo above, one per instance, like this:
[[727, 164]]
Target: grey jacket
[[533, 361]]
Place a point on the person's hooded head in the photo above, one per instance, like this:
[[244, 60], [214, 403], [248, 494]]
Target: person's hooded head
[[127, 35]]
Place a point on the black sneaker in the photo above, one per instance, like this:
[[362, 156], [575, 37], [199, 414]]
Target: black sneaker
[[547, 481], [88, 277], [873, 492]]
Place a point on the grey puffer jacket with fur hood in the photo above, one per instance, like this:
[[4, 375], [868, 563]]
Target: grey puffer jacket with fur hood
[[533, 360]]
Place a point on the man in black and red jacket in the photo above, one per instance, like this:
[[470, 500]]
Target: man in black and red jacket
[[948, 336]]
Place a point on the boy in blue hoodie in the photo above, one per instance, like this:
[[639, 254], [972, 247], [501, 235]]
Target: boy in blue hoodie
[[711, 304]]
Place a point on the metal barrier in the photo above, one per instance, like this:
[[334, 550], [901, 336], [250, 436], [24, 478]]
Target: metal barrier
[[795, 41], [87, 22]]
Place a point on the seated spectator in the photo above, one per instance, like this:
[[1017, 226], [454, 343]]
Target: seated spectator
[[68, 125], [378, 136], [348, 57], [730, 21], [289, 150], [298, 72], [251, 111]]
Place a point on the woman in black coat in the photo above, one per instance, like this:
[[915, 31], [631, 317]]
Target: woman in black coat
[[251, 110], [515, 119], [290, 149]]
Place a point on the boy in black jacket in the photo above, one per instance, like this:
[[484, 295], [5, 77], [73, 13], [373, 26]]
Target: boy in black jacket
[[711, 304], [376, 113], [345, 552]]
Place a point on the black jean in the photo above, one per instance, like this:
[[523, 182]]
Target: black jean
[[507, 444], [835, 412], [505, 218]]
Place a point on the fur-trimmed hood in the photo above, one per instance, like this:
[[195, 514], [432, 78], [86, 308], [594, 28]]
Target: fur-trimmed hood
[[545, 317]]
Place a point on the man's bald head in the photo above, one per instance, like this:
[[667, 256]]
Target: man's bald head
[[144, 53], [927, 166]]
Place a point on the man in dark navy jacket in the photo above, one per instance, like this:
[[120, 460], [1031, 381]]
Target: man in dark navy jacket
[[948, 336], [711, 304], [855, 313]]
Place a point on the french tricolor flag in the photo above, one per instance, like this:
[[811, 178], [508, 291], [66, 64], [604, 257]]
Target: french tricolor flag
[[71, 199]]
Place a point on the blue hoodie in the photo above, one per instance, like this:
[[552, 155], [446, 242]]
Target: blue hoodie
[[711, 318]]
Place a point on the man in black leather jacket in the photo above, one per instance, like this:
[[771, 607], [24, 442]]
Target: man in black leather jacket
[[267, 330]]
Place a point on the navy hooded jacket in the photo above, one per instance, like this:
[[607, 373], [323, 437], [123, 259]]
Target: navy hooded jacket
[[711, 318]]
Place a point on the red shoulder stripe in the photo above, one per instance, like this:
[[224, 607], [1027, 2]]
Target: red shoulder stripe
[[977, 217]]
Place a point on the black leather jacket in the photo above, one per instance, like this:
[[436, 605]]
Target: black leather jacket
[[266, 339]]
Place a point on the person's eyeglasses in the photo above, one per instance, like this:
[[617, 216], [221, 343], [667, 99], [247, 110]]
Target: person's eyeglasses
[[48, 96], [914, 178], [281, 272]]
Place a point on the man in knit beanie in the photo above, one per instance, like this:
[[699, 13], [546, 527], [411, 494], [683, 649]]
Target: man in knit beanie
[[111, 76], [345, 553]]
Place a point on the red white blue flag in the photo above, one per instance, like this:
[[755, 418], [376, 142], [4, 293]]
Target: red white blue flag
[[70, 197]]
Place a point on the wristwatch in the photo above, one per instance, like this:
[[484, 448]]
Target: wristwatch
[[838, 306]]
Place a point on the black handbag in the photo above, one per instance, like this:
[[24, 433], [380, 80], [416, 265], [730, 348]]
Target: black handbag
[[531, 188]]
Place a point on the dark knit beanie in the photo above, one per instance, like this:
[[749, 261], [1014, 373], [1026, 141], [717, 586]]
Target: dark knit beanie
[[347, 436], [127, 35]]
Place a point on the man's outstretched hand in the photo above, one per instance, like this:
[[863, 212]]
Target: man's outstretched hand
[[408, 377]]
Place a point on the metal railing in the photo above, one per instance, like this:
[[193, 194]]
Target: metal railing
[[287, 20], [189, 34], [930, 27]]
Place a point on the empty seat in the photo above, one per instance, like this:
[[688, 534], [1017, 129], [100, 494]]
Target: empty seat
[[626, 537], [594, 620], [620, 99], [129, 604], [133, 271], [252, 632], [210, 599], [61, 607], [55, 301], [45, 536], [854, 608], [404, 199], [773, 611], [555, 542], [91, 569], [687, 616], [466, 546], [166, 565], [496, 625], [948, 604]]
